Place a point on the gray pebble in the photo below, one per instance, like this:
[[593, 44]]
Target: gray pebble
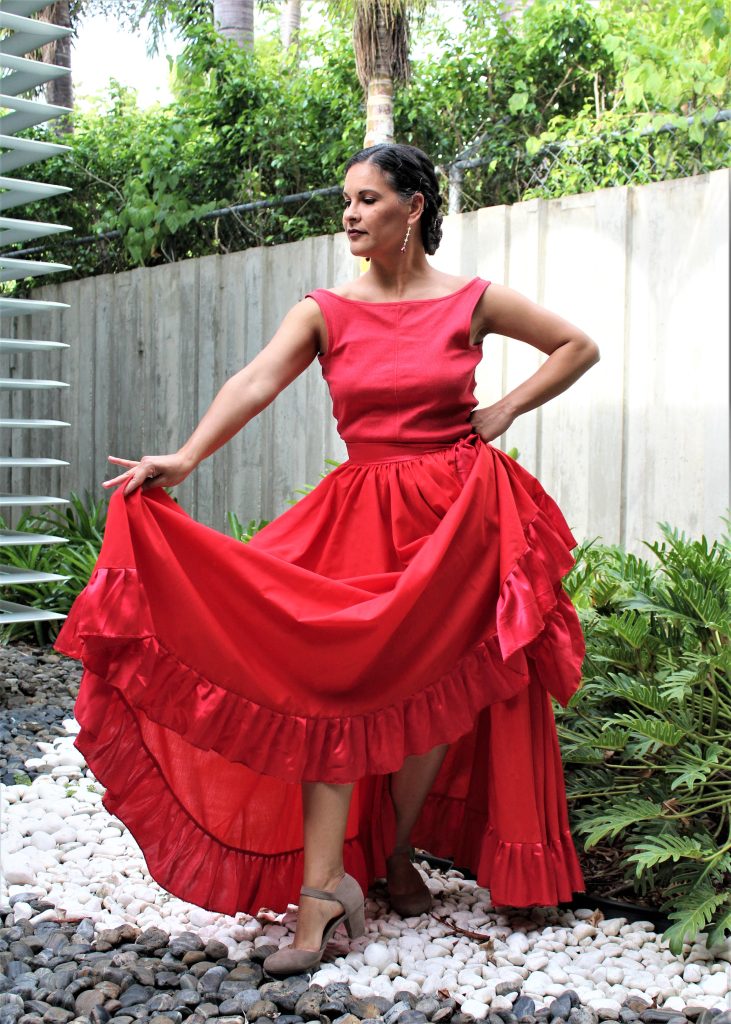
[[63, 998], [560, 1007], [136, 994], [57, 1015], [395, 1013], [263, 1008], [583, 1015], [163, 1002], [331, 1008], [185, 942], [505, 988], [429, 1006], [524, 1006], [188, 998], [285, 993], [211, 980], [368, 1008], [216, 950], [166, 979], [86, 1001], [308, 1004]]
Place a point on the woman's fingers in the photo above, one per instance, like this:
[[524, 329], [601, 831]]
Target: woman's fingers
[[137, 473]]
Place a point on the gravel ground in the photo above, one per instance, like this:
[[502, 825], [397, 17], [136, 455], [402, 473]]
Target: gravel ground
[[88, 937]]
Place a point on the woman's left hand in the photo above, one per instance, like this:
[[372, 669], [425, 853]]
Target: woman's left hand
[[492, 421]]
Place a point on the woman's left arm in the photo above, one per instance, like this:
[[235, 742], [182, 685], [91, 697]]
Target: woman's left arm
[[570, 354]]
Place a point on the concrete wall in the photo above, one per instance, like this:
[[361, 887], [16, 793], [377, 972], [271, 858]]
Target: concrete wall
[[642, 438]]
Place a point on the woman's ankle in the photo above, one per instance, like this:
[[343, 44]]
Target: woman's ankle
[[327, 880]]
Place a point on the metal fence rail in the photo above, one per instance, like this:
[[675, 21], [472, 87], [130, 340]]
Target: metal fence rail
[[474, 179]]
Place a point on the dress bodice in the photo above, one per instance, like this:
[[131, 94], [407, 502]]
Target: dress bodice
[[401, 371]]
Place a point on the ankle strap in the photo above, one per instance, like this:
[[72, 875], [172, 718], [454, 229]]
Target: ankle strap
[[319, 894]]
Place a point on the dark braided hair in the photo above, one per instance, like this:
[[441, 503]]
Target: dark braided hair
[[408, 170]]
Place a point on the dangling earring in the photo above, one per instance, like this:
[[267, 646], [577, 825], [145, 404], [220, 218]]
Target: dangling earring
[[406, 240]]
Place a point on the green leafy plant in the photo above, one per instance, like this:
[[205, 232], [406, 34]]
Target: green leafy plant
[[81, 525], [245, 533], [554, 102], [645, 739]]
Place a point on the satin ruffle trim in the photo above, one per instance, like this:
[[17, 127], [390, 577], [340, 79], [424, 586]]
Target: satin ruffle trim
[[518, 874], [110, 630], [185, 859]]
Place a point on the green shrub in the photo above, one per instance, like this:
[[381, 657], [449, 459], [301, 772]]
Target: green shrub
[[81, 524], [645, 740]]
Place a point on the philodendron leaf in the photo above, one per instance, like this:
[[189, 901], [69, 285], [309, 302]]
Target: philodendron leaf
[[722, 926], [695, 910], [620, 816], [658, 849]]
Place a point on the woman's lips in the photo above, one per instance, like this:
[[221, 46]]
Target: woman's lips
[[353, 233]]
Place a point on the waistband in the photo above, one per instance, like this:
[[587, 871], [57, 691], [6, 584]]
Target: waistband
[[393, 451]]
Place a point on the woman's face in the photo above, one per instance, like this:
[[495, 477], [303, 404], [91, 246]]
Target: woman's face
[[374, 216]]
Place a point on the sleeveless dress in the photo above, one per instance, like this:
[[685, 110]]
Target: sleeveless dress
[[412, 598]]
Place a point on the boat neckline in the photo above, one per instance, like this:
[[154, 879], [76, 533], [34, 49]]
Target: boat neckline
[[399, 302]]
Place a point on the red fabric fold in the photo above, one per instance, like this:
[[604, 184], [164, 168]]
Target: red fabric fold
[[397, 606]]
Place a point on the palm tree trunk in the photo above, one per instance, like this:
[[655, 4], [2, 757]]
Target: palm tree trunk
[[234, 19], [379, 102], [59, 90], [290, 24]]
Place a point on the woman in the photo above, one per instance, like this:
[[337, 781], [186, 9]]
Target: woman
[[403, 623]]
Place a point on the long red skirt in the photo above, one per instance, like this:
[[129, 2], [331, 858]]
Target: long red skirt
[[407, 601]]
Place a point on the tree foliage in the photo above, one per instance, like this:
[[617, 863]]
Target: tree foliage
[[554, 102]]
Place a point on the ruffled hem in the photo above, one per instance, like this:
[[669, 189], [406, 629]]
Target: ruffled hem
[[183, 857], [294, 748], [530, 874], [112, 630]]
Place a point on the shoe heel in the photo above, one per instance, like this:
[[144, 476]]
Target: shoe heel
[[355, 922]]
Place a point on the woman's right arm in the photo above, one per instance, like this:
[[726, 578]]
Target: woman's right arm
[[289, 353]]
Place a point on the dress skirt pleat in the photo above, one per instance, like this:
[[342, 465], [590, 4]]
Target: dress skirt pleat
[[412, 598]]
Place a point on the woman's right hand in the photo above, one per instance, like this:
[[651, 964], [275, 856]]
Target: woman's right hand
[[150, 471]]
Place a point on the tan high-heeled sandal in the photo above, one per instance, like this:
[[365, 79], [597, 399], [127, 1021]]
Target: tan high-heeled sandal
[[296, 961]]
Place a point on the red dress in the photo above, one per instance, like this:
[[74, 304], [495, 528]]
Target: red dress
[[412, 598]]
